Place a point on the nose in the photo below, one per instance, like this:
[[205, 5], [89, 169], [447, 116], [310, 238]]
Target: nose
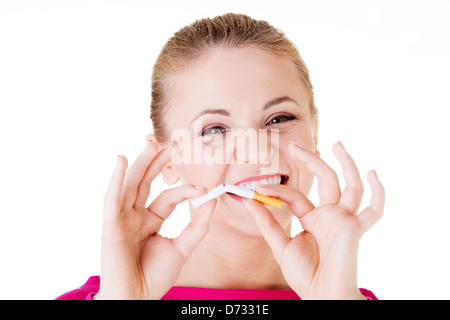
[[245, 148], [252, 146]]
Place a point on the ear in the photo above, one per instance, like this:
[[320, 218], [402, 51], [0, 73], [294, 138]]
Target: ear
[[168, 173]]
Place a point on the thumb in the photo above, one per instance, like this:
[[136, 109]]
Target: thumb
[[269, 227], [194, 232]]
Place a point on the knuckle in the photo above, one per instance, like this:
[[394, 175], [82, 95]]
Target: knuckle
[[359, 191], [332, 175]]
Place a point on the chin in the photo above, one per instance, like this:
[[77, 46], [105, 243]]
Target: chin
[[237, 217]]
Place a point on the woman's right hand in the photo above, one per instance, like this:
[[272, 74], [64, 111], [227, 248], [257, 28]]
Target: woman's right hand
[[137, 262]]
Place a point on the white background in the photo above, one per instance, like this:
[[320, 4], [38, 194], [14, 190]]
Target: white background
[[75, 92]]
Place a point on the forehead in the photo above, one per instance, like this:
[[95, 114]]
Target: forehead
[[234, 78]]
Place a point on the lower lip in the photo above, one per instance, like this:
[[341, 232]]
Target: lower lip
[[238, 198]]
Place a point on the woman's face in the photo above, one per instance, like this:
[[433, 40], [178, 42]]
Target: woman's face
[[232, 93]]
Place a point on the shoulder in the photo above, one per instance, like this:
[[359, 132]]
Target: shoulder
[[91, 286]]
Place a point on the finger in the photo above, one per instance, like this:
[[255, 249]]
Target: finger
[[269, 227], [136, 173], [353, 192], [370, 215], [165, 203], [111, 208], [328, 183], [196, 230], [297, 202], [158, 163]]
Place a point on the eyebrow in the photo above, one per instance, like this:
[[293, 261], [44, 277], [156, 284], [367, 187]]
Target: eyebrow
[[269, 104], [278, 100], [213, 111]]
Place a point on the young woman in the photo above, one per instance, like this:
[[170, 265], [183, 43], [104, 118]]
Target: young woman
[[212, 79]]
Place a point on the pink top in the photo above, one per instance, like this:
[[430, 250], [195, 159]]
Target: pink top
[[92, 285]]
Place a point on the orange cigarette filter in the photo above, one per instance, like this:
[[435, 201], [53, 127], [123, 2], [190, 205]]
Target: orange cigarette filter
[[271, 201]]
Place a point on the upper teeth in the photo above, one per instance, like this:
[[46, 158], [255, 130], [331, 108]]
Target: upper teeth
[[255, 183]]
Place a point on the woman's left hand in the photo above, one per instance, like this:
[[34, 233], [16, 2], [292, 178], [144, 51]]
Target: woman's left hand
[[320, 262]]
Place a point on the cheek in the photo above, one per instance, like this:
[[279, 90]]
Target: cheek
[[198, 163], [300, 176], [203, 161], [205, 175]]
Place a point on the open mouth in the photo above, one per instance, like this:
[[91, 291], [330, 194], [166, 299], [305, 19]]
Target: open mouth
[[253, 182]]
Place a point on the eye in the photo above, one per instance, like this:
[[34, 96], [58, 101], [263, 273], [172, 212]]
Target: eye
[[280, 118], [214, 130]]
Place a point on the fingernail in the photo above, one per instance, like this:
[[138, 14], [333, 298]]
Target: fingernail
[[173, 145], [199, 187], [263, 188], [296, 150], [151, 143], [296, 144], [118, 160]]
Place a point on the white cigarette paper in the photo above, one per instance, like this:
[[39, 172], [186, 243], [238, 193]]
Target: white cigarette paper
[[211, 195], [237, 190]]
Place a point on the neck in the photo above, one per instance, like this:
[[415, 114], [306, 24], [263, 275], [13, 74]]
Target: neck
[[228, 259]]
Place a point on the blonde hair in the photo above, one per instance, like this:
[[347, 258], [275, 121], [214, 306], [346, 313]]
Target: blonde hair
[[229, 30]]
